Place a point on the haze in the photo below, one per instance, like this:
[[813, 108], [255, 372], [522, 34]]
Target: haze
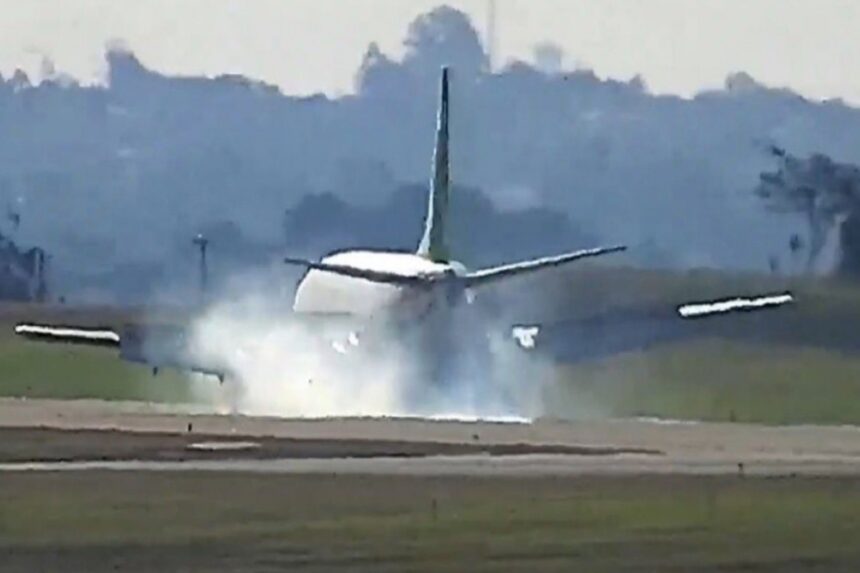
[[307, 46], [164, 130]]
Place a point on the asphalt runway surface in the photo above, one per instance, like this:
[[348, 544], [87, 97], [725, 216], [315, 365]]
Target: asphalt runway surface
[[83, 435]]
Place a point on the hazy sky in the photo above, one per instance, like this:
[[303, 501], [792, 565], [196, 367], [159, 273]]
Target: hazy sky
[[678, 46]]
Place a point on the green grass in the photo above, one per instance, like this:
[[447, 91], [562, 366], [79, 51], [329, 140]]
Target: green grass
[[217, 522], [716, 380], [38, 370], [795, 365]]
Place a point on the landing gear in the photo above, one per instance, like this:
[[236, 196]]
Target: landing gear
[[454, 361], [227, 397]]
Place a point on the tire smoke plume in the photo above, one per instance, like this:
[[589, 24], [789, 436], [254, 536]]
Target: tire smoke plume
[[283, 364]]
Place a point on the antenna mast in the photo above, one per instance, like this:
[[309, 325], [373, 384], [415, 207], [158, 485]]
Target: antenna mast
[[491, 33]]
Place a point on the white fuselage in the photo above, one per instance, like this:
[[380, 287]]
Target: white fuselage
[[321, 292]]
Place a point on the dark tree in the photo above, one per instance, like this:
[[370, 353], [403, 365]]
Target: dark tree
[[818, 188]]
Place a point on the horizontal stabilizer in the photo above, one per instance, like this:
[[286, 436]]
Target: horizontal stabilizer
[[493, 274], [703, 309], [360, 273]]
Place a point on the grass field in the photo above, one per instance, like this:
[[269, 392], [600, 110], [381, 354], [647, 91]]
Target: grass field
[[715, 380], [798, 366], [37, 370], [710, 380], [107, 521]]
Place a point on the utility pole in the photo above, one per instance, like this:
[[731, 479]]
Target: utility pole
[[41, 294], [202, 243], [14, 218]]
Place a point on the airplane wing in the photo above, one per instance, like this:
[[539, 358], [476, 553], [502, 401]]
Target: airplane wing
[[93, 336], [359, 273], [624, 330], [165, 346], [723, 306], [485, 276], [163, 343], [157, 346]]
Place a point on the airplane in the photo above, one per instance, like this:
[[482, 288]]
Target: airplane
[[424, 296]]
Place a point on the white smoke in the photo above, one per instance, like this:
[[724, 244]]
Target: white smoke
[[285, 365], [280, 366]]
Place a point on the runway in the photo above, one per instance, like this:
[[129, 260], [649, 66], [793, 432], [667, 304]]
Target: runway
[[520, 466], [89, 435]]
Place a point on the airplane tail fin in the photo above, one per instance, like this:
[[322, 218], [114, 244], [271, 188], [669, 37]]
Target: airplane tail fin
[[433, 244]]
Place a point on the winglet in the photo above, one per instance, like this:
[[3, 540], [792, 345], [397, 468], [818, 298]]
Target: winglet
[[95, 336], [723, 306]]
